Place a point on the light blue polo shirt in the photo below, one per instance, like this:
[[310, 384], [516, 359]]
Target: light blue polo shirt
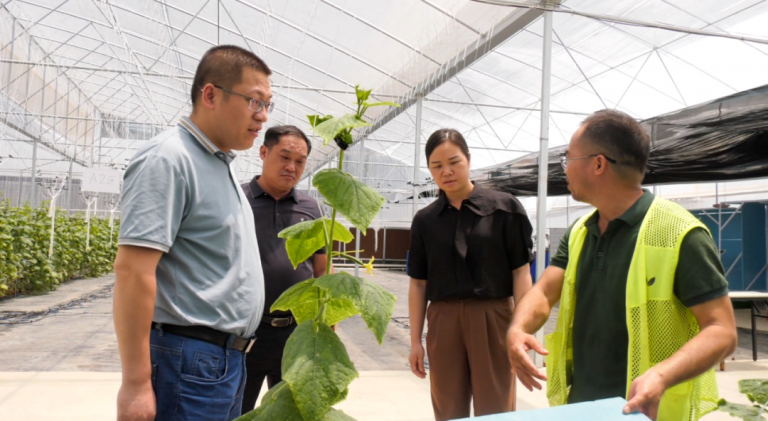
[[181, 196]]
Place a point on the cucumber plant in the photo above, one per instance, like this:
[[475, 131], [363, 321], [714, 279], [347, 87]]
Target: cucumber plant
[[316, 366]]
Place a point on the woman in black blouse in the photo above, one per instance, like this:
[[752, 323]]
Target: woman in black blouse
[[470, 254]]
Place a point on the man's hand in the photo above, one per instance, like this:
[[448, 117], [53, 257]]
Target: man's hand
[[136, 402], [518, 345], [645, 394], [417, 360]]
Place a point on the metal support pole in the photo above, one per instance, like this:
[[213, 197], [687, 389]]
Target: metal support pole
[[416, 153], [384, 252], [69, 186], [26, 103], [101, 142], [21, 186], [33, 189], [10, 65], [66, 138], [77, 139], [541, 212], [33, 198]]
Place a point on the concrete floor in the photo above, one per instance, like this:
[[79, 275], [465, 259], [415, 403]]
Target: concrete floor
[[63, 364]]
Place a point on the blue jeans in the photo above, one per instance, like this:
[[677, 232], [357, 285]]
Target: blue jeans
[[195, 380]]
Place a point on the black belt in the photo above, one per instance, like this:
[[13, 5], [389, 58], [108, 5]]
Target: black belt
[[278, 321], [206, 334]]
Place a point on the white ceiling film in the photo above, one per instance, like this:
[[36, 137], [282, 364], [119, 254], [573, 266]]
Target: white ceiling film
[[90, 81]]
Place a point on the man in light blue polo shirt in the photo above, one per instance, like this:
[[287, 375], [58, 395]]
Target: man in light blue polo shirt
[[190, 291]]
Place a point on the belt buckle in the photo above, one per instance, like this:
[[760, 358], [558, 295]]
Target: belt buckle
[[250, 344], [280, 321]]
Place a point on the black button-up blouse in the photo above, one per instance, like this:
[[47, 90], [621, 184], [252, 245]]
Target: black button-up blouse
[[470, 252]]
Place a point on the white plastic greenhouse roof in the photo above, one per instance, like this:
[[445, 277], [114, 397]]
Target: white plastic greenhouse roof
[[94, 79]]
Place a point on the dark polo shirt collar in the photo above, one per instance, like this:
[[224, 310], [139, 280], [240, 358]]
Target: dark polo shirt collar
[[257, 191], [633, 216]]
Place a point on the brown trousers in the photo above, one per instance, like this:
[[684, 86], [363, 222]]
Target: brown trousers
[[468, 361]]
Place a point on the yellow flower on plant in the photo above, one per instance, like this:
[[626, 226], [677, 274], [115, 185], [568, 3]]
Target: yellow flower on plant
[[369, 266]]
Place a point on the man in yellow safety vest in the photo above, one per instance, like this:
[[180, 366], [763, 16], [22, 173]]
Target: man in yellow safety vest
[[644, 312]]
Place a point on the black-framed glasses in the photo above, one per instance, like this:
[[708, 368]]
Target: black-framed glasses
[[254, 104], [564, 159]]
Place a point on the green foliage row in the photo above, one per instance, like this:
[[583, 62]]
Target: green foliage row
[[25, 235]]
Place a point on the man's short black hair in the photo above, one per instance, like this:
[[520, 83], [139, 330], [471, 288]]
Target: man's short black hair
[[223, 65], [620, 137], [275, 133]]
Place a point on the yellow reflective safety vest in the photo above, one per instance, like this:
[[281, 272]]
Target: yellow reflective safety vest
[[657, 322]]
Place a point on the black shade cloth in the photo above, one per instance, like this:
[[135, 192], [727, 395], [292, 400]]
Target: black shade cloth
[[725, 139]]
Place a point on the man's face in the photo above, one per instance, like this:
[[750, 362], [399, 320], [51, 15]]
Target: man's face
[[577, 170], [236, 125], [284, 163]]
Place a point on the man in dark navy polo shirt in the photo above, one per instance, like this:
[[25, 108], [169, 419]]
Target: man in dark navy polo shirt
[[278, 205]]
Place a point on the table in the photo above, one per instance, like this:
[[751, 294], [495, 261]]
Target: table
[[753, 297], [602, 410]]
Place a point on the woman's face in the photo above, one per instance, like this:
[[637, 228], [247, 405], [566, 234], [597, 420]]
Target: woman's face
[[449, 167]]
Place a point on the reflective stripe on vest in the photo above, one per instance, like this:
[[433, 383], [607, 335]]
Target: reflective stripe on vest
[[657, 322]]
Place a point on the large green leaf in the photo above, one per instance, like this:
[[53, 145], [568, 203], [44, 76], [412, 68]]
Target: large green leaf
[[317, 368], [341, 285], [299, 299], [755, 389], [356, 201], [376, 306], [303, 300], [330, 128], [745, 412], [335, 415], [339, 309], [374, 302], [278, 404], [314, 120], [305, 238]]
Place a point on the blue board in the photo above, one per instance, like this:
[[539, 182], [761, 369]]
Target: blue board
[[602, 410], [743, 242]]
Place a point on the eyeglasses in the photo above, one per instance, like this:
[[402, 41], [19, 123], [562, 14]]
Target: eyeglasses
[[254, 104], [564, 160]]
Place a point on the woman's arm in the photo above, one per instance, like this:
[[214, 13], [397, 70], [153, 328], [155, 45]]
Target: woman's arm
[[521, 281], [417, 309]]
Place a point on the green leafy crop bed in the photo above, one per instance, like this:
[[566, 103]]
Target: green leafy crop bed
[[25, 234]]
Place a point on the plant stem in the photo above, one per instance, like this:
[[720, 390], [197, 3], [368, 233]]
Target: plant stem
[[351, 258], [329, 239], [329, 250]]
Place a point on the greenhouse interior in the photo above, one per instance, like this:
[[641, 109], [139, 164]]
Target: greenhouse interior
[[88, 84]]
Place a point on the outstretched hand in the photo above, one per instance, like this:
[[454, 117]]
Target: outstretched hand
[[645, 394], [518, 345]]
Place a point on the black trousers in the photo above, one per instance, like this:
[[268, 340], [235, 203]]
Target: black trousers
[[264, 361]]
